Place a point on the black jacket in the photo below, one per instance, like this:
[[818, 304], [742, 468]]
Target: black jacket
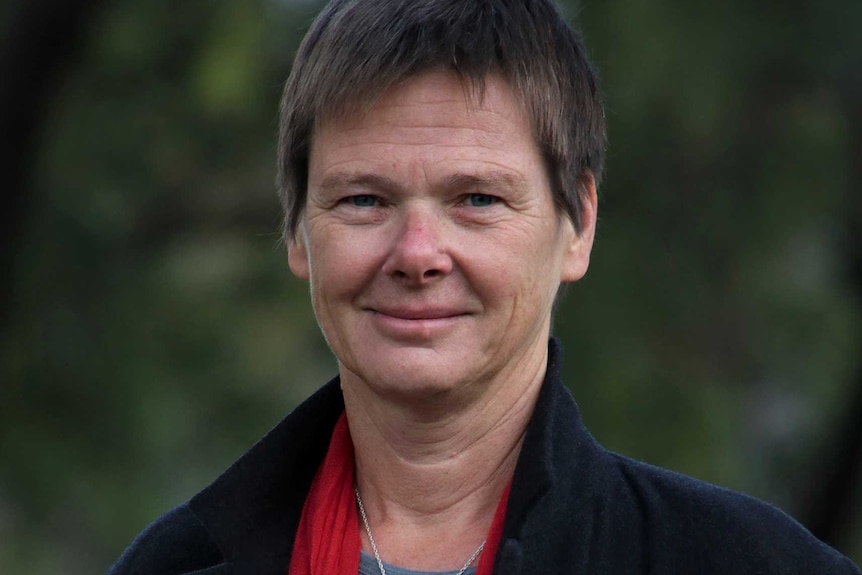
[[574, 508]]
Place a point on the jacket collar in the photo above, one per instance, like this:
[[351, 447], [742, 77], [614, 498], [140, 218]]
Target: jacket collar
[[252, 510], [558, 453]]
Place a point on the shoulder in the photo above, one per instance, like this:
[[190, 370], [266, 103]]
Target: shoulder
[[699, 523], [175, 543]]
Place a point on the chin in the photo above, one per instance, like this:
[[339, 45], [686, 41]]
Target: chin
[[412, 381], [417, 383]]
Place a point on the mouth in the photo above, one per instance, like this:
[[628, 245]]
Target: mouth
[[417, 314], [416, 324]]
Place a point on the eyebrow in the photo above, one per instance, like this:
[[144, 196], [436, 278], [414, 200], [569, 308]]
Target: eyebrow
[[489, 181], [483, 181], [339, 181]]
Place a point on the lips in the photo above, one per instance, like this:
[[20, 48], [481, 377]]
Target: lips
[[406, 313], [415, 325]]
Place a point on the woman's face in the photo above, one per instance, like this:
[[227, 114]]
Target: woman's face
[[431, 239]]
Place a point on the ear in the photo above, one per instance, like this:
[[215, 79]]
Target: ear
[[297, 255], [576, 259]]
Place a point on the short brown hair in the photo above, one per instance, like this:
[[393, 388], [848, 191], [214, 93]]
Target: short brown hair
[[357, 49]]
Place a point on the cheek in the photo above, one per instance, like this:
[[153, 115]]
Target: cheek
[[541, 282], [519, 261], [340, 266], [504, 276]]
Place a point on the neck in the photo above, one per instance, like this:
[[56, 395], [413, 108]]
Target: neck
[[432, 473]]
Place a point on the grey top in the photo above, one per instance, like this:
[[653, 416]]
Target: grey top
[[368, 566]]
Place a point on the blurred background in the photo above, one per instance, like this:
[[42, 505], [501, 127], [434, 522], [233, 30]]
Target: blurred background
[[151, 332]]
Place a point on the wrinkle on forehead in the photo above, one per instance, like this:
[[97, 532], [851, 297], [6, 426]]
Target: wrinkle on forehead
[[476, 99], [359, 103]]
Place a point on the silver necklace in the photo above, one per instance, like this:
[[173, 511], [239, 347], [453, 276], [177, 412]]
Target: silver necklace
[[377, 553]]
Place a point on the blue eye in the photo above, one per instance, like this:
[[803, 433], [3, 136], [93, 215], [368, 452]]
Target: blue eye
[[481, 200], [363, 201]]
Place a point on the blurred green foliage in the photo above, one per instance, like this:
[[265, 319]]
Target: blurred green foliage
[[155, 331]]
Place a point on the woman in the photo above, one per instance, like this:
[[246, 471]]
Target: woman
[[438, 166]]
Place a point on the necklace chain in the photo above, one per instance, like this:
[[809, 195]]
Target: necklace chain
[[377, 553]]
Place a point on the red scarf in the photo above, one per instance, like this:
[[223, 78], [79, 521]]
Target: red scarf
[[327, 540]]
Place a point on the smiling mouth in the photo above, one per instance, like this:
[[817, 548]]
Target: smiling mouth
[[414, 325], [417, 315]]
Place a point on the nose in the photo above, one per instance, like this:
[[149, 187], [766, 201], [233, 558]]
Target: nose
[[418, 253]]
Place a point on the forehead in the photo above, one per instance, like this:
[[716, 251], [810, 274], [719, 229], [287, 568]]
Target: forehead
[[434, 115]]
